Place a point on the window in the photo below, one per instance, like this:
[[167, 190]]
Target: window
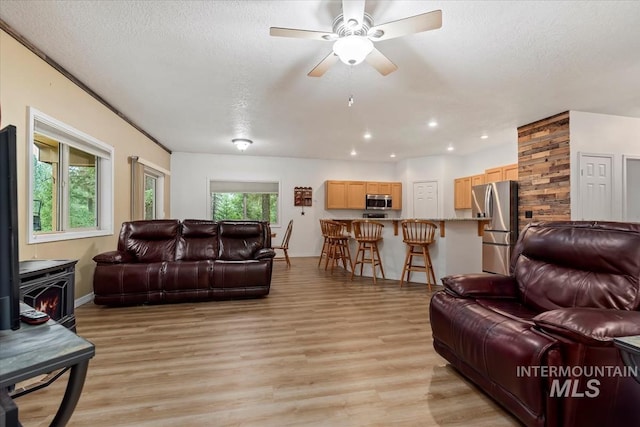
[[147, 189], [70, 182], [150, 195], [244, 200]]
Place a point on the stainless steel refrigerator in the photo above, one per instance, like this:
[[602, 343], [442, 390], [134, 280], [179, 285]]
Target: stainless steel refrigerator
[[498, 202]]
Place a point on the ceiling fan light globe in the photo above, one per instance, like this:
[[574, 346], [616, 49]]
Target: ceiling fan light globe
[[352, 50]]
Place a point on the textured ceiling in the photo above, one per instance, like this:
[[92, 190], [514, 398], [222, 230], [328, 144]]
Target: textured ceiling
[[195, 74]]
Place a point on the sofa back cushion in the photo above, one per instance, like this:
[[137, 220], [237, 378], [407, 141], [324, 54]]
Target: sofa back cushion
[[578, 264], [199, 240], [150, 241], [239, 240]]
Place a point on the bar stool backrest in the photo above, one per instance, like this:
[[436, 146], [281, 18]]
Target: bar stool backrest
[[367, 230], [418, 231], [334, 228]]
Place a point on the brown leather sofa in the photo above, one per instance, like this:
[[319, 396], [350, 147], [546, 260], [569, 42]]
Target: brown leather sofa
[[540, 341], [167, 261]]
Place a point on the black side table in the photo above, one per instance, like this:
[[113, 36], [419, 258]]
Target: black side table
[[35, 350], [630, 350]]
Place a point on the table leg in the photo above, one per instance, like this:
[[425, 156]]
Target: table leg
[[72, 394]]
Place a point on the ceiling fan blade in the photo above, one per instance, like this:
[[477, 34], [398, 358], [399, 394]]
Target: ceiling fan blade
[[302, 34], [324, 65], [380, 62], [353, 10], [402, 27]]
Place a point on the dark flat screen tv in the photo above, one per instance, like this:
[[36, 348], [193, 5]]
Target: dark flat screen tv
[[9, 280]]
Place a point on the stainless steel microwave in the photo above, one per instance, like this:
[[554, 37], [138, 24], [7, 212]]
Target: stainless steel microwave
[[378, 201]]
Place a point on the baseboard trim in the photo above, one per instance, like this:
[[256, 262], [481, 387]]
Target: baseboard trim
[[83, 300]]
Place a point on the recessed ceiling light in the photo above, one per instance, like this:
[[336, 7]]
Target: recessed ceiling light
[[353, 152], [392, 155], [367, 135], [242, 143], [433, 124], [484, 137], [450, 148]]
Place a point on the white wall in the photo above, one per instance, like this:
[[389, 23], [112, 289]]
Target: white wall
[[602, 134], [444, 169], [191, 173]]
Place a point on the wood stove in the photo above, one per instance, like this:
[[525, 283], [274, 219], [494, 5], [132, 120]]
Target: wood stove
[[48, 286]]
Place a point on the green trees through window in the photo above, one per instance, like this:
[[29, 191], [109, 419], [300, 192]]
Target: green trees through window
[[253, 206]]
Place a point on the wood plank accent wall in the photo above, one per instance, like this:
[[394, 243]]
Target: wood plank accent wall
[[544, 170]]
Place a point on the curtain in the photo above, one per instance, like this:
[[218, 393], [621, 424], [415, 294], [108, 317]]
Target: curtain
[[137, 189]]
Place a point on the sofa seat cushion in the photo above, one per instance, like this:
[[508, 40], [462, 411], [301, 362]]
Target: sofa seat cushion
[[241, 274], [188, 275], [494, 343], [127, 284]]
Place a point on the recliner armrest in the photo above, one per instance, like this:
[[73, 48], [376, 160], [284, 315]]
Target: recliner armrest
[[481, 285], [592, 326], [265, 253], [114, 257]]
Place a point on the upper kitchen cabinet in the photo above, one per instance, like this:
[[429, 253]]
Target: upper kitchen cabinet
[[502, 173], [396, 195], [335, 195], [493, 175], [378, 187], [352, 194], [510, 172], [477, 179], [462, 193], [345, 194], [356, 192]]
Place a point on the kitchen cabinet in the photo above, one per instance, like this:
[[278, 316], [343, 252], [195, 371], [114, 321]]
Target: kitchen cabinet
[[378, 187], [501, 173], [351, 194], [510, 172], [396, 195], [462, 193], [335, 195], [356, 192], [477, 180], [493, 175], [345, 194]]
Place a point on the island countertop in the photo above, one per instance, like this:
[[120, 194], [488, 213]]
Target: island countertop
[[440, 221]]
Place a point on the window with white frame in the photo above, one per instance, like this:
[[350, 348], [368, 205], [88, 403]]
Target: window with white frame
[[245, 200], [70, 182]]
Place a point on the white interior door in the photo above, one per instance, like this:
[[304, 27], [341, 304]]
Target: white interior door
[[425, 199], [596, 193]]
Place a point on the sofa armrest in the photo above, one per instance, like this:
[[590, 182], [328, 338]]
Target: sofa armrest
[[114, 257], [481, 285], [264, 253], [592, 326]]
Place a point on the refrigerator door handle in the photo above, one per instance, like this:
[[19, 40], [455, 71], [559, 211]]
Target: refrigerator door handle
[[487, 201]]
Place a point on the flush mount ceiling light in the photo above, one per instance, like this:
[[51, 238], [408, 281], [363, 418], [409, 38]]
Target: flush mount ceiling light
[[352, 50], [367, 135], [242, 143], [433, 124], [484, 137]]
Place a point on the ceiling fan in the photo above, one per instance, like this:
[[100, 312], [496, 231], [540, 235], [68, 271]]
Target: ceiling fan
[[354, 33]]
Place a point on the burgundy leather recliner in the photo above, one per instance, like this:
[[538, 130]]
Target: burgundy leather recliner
[[166, 261], [540, 341]]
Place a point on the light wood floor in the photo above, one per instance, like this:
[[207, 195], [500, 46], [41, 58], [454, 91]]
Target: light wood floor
[[320, 350]]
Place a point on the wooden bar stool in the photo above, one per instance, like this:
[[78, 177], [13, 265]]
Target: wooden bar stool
[[418, 235], [325, 243], [338, 244], [367, 234]]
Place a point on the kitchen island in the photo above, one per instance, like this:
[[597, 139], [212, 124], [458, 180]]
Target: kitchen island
[[457, 248]]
